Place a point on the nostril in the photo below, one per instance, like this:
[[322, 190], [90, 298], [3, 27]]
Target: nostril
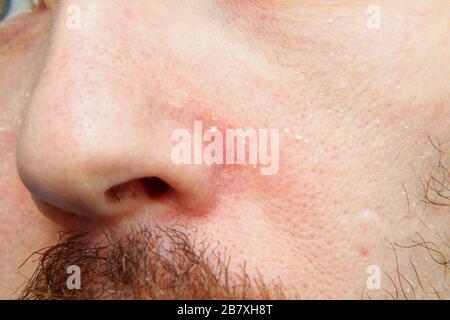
[[155, 187], [122, 192]]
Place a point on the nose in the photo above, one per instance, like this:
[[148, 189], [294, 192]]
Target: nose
[[96, 138]]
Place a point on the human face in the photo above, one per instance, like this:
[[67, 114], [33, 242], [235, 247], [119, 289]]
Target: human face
[[91, 93]]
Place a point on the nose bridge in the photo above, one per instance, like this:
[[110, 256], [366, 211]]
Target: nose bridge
[[91, 128], [74, 108]]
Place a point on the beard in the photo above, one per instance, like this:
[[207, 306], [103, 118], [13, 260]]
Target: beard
[[148, 263]]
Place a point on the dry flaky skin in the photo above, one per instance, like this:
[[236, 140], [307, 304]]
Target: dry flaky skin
[[160, 264]]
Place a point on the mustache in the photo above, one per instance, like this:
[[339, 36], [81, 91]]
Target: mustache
[[147, 263]]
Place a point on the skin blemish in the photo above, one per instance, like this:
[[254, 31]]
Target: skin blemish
[[364, 252], [369, 215]]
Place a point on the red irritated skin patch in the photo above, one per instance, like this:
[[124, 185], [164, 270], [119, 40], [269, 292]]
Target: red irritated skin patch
[[208, 123], [232, 180]]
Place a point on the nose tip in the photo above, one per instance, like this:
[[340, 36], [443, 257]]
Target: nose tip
[[97, 195], [155, 188], [73, 192]]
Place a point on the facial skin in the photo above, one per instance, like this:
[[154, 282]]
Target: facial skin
[[87, 113]]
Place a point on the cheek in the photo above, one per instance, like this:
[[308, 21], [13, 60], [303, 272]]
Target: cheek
[[15, 87], [22, 228]]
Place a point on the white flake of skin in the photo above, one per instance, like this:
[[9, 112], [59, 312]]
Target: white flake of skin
[[369, 216]]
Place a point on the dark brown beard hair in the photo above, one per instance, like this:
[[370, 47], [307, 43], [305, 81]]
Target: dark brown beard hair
[[146, 264]]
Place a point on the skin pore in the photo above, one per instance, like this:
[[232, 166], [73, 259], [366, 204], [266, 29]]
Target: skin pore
[[86, 116]]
